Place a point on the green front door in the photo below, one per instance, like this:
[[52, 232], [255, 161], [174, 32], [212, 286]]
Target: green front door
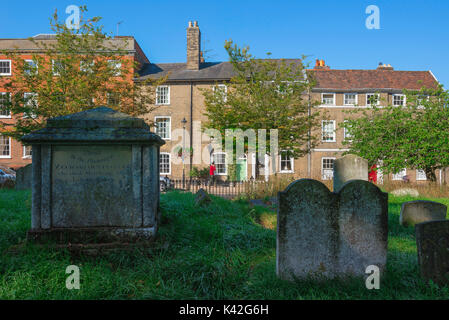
[[241, 169]]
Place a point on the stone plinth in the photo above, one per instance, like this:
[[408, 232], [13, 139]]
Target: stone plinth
[[95, 170]]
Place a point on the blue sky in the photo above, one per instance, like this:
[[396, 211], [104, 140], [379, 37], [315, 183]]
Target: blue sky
[[414, 34]]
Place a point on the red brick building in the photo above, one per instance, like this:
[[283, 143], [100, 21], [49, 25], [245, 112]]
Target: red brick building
[[12, 153]]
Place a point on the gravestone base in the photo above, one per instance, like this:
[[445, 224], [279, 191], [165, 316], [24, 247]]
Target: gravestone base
[[91, 236]]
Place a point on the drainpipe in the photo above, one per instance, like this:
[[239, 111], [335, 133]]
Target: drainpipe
[[309, 153], [191, 129]]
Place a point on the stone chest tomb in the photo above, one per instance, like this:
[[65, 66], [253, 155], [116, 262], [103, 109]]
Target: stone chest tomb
[[95, 174]]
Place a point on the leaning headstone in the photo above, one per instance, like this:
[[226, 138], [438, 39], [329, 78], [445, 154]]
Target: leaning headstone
[[323, 234], [349, 167], [202, 198], [95, 178], [405, 192], [432, 239], [24, 177], [413, 212]]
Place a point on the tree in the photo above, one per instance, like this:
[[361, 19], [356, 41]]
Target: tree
[[81, 69], [265, 94], [414, 136]]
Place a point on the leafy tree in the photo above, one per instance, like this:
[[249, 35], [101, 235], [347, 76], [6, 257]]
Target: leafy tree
[[81, 69], [414, 136], [265, 94]]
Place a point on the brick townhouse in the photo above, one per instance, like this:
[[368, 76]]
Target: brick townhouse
[[181, 105], [337, 90], [12, 153]]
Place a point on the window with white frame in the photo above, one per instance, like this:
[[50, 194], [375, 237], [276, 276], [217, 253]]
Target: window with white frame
[[116, 67], [163, 95], [30, 67], [219, 159], [286, 161], [420, 175], [400, 175], [347, 132], [87, 66], [5, 147], [4, 105], [5, 67], [163, 127], [164, 163], [350, 99], [30, 101], [113, 99], [27, 152], [372, 99], [327, 168], [57, 67], [221, 89], [328, 130], [328, 99], [398, 100]]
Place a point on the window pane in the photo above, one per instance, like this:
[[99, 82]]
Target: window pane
[[5, 67], [163, 127], [4, 146], [327, 168], [4, 108], [328, 128], [220, 162], [164, 163], [162, 95]]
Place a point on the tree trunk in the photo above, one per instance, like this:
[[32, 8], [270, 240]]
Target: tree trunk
[[430, 174]]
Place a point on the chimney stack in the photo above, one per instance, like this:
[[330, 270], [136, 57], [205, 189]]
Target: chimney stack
[[384, 66], [320, 64], [193, 46]]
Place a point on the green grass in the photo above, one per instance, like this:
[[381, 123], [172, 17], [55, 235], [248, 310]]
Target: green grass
[[226, 251]]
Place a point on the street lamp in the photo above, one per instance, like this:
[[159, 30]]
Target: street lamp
[[183, 121]]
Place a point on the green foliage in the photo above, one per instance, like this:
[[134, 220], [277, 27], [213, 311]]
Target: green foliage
[[76, 72], [224, 251], [199, 173], [265, 94], [414, 136]]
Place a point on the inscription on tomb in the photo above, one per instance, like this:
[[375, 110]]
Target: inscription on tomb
[[94, 184]]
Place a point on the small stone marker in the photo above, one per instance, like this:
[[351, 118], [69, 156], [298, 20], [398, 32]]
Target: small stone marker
[[95, 178], [327, 234], [432, 239], [413, 212], [202, 198], [24, 177], [349, 167], [405, 192]]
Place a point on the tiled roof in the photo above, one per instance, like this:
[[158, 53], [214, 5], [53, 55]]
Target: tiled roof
[[358, 80], [209, 71]]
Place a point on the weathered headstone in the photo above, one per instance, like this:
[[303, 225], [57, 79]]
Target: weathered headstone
[[327, 234], [96, 171], [413, 212], [202, 198], [349, 167], [24, 177], [432, 239]]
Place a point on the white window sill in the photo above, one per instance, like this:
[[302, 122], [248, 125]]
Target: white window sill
[[162, 104], [27, 157], [5, 117], [290, 171], [5, 157], [333, 141], [221, 174], [164, 174], [5, 74]]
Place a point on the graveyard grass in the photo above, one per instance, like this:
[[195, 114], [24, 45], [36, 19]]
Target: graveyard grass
[[224, 251]]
